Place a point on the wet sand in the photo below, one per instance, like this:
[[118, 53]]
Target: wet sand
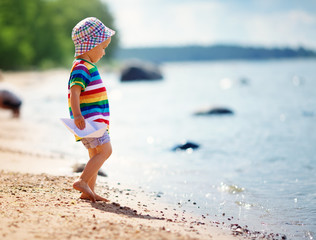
[[37, 203]]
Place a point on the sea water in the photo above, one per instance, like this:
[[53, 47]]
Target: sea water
[[256, 166]]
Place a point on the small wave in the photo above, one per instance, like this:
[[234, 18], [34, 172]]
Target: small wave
[[244, 204], [233, 189]]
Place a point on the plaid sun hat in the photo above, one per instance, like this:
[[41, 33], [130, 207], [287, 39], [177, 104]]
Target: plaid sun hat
[[89, 33]]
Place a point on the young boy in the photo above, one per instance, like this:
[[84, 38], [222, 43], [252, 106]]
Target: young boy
[[87, 98]]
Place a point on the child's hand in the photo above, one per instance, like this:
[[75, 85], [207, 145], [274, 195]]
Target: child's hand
[[80, 123]]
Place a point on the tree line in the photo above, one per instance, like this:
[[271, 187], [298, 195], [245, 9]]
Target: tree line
[[209, 53], [37, 33]]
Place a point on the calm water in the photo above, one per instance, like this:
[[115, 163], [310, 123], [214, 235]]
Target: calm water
[[258, 165]]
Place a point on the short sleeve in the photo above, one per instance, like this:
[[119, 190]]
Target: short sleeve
[[79, 76]]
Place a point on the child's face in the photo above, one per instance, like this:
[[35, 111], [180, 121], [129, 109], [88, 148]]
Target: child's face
[[95, 54]]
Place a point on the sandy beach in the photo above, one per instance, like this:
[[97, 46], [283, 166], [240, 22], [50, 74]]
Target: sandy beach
[[38, 203], [34, 204], [46, 207]]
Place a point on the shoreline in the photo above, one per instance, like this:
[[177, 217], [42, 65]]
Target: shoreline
[[44, 206]]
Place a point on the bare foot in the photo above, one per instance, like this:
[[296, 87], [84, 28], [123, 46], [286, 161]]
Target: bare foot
[[83, 187], [97, 197]]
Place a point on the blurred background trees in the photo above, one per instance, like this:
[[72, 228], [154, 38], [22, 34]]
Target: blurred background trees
[[37, 33]]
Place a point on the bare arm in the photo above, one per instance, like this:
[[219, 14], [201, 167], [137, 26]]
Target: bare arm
[[75, 106]]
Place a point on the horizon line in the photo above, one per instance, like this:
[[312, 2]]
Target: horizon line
[[221, 45]]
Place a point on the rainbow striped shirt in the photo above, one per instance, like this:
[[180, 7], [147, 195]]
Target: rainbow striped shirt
[[94, 103]]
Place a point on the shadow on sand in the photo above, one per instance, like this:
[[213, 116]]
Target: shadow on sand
[[118, 209]]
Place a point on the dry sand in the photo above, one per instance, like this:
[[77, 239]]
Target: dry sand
[[35, 203]]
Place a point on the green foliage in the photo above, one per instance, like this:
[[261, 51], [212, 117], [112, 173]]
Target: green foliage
[[37, 33]]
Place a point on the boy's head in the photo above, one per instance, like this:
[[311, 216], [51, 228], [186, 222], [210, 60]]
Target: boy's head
[[89, 33]]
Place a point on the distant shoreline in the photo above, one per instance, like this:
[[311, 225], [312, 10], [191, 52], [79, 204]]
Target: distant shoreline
[[211, 53]]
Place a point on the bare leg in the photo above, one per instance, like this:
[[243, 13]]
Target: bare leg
[[88, 177], [91, 183]]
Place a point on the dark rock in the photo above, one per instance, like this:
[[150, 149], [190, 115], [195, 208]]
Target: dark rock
[[214, 111], [78, 167], [244, 81], [140, 71], [159, 194], [185, 146], [9, 100], [102, 174], [308, 114]]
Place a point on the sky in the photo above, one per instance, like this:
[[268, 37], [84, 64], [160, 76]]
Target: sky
[[267, 23]]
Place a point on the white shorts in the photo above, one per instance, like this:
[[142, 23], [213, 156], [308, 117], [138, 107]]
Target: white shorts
[[94, 142]]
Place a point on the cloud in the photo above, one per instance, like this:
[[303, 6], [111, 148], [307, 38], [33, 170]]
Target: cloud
[[292, 28], [164, 22]]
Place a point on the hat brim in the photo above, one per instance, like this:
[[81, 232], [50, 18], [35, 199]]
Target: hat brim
[[93, 41]]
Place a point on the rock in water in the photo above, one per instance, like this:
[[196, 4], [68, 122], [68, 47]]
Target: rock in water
[[9, 100], [140, 71], [78, 167], [244, 81], [185, 146], [214, 111]]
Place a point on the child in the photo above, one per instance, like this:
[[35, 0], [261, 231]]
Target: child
[[87, 98]]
